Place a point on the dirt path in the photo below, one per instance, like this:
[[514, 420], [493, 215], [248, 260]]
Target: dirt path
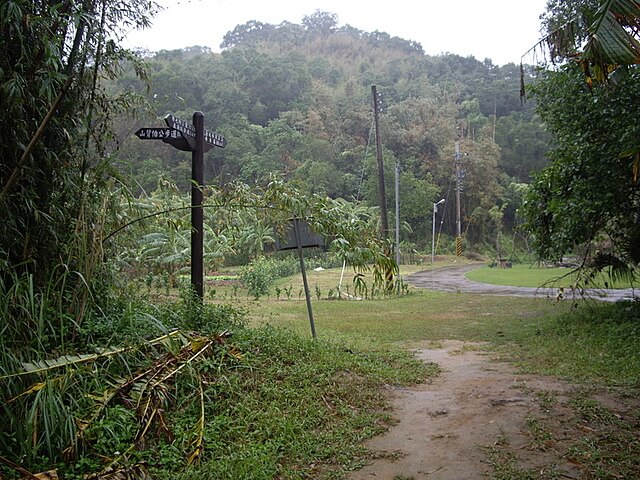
[[474, 411]]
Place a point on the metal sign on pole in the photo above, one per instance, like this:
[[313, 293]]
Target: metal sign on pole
[[301, 237], [191, 138]]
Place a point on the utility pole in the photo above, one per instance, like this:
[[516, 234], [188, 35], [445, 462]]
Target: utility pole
[[384, 219], [458, 229], [397, 213]]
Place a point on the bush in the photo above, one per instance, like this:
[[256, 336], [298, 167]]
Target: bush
[[259, 276]]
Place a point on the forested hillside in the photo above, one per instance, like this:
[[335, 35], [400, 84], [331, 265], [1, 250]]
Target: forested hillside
[[114, 365], [296, 100]]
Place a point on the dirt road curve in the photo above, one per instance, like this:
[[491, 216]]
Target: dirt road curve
[[452, 279], [449, 429]]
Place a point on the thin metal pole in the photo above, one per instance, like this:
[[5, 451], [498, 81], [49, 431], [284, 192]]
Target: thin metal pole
[[197, 230], [433, 233], [304, 277]]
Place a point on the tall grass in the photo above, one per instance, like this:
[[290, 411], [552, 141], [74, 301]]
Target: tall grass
[[271, 404]]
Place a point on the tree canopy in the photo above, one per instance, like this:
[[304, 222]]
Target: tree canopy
[[587, 198], [294, 99]]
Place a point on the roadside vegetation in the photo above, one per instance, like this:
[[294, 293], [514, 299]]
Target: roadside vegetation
[[111, 368]]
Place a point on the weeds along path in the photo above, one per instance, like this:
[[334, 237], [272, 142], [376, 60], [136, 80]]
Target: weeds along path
[[477, 417]]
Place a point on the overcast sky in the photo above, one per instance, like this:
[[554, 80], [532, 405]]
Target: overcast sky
[[502, 30]]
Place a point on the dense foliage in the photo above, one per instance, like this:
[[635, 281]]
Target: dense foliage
[[56, 118], [296, 100], [590, 192], [588, 197]]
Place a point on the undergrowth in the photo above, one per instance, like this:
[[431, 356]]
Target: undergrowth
[[295, 408], [186, 390]]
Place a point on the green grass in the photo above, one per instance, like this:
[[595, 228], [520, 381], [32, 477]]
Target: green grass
[[594, 341], [541, 336], [295, 408], [289, 409], [525, 275], [597, 343], [419, 317]]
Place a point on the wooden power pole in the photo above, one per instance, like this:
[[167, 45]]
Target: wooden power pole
[[384, 218], [458, 181]]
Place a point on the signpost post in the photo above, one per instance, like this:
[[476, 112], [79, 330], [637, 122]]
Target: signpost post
[[303, 237], [197, 214], [190, 137]]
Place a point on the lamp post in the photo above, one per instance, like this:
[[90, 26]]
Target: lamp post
[[433, 229]]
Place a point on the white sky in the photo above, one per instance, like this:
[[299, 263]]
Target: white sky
[[502, 30]]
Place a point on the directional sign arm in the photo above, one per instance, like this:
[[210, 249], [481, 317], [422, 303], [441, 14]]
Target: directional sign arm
[[211, 139], [180, 125], [167, 135]]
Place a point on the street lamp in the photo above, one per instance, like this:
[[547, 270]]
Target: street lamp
[[433, 229]]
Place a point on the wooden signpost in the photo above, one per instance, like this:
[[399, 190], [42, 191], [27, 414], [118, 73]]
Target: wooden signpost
[[191, 138]]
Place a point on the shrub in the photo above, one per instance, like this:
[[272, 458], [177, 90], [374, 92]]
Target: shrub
[[259, 276]]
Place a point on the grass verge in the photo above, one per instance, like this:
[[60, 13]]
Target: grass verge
[[528, 275], [596, 343], [295, 408]]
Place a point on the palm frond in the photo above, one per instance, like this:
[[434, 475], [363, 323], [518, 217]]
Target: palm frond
[[43, 366], [618, 269], [613, 39]]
